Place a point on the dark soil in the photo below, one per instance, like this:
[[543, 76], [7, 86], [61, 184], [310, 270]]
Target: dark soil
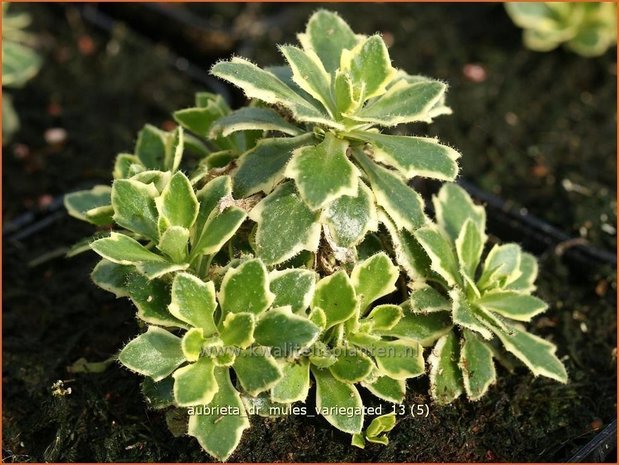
[[536, 120]]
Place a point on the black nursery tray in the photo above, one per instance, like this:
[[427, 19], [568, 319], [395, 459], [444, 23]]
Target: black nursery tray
[[49, 302]]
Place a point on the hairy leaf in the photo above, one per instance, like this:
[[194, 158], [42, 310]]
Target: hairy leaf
[[335, 295], [246, 289], [293, 287], [374, 278], [322, 172], [195, 384], [334, 398], [286, 226], [155, 353], [193, 301]]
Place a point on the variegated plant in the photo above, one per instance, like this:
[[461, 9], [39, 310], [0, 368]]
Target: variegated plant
[[333, 96], [471, 305], [587, 28], [250, 243]]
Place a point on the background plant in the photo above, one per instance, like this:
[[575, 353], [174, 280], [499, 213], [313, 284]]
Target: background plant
[[213, 288], [586, 28], [20, 63]]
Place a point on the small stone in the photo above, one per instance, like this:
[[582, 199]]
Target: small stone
[[55, 136]]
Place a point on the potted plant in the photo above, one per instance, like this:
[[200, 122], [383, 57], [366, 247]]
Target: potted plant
[[280, 245]]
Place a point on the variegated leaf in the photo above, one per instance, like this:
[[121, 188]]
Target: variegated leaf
[[322, 172], [286, 226], [478, 372], [401, 202], [414, 156], [293, 287], [334, 398], [445, 376], [155, 353], [246, 289], [349, 218], [218, 434], [374, 278], [262, 168], [335, 295], [193, 301]]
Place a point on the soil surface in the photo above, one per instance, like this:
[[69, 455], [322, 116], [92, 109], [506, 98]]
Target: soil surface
[[538, 130]]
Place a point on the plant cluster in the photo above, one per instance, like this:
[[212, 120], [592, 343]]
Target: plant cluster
[[280, 245], [586, 28], [20, 63]]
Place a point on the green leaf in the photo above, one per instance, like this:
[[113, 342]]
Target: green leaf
[[335, 295], [284, 332], [389, 389], [512, 304], [327, 34], [252, 118], [178, 203], [238, 329], [414, 156], [478, 372], [403, 103], [408, 252], [209, 197], [309, 74], [199, 120], [220, 434], [151, 297], [192, 343], [344, 93], [445, 375], [334, 399], [155, 353], [124, 250], [442, 255], [501, 267], [293, 287], [535, 352], [193, 301], [286, 226], [256, 370], [322, 172], [374, 278], [385, 317], [20, 63], [426, 299], [156, 178], [469, 247], [369, 66], [92, 205], [124, 164], [134, 207], [264, 85], [528, 273], [195, 384], [401, 203], [151, 147], [262, 168], [380, 425], [464, 315], [352, 366], [158, 395], [294, 384], [173, 243], [112, 277], [453, 206], [349, 218], [419, 327], [398, 359], [246, 289], [219, 228]]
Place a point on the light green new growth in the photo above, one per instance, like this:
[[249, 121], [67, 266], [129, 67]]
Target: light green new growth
[[260, 266], [586, 28]]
